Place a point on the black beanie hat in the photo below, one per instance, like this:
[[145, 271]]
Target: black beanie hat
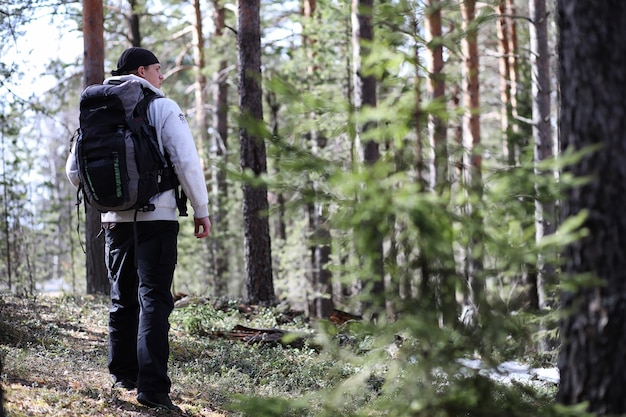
[[133, 58]]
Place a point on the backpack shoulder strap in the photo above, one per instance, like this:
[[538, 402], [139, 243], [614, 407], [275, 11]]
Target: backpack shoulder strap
[[141, 108], [141, 119]]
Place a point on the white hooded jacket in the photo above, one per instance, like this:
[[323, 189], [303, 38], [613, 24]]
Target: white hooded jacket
[[174, 137]]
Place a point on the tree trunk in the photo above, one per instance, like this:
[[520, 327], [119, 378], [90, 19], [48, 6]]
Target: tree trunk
[[202, 125], [132, 21], [257, 246], [472, 139], [321, 277], [93, 33], [592, 86], [365, 84], [201, 99], [219, 253], [418, 113], [542, 134], [274, 108], [436, 87], [504, 32], [8, 255], [365, 96], [472, 89], [514, 78]]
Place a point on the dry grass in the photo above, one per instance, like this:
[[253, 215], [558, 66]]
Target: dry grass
[[55, 348], [54, 351]]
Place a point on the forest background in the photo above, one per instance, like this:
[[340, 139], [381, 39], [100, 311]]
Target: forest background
[[310, 102], [410, 166]]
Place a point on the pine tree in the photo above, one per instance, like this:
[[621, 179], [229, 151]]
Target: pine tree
[[97, 281], [593, 331], [259, 280]]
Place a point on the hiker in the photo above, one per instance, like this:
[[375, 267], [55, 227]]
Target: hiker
[[140, 246]]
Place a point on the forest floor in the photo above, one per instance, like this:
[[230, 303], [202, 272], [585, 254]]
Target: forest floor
[[54, 351]]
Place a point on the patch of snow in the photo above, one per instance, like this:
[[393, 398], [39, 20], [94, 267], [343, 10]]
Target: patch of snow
[[513, 371], [50, 286]]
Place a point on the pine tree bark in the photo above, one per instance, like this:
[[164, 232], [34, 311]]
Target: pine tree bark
[[201, 102], [508, 51], [321, 305], [542, 133], [202, 125], [93, 33], [365, 84], [472, 140], [593, 332], [219, 253], [472, 89], [257, 246], [132, 21], [365, 96], [436, 87]]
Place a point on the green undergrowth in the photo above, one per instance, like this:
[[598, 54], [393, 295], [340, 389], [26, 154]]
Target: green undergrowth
[[54, 353]]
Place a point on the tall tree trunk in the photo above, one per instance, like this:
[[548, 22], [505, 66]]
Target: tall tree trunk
[[201, 98], [365, 96], [542, 134], [2, 412], [365, 84], [6, 232], [593, 331], [93, 33], [426, 292], [514, 79], [132, 21], [200, 94], [307, 10], [472, 139], [436, 88], [321, 277], [219, 199], [418, 113], [257, 246], [442, 289], [504, 45], [472, 91], [507, 47], [274, 109]]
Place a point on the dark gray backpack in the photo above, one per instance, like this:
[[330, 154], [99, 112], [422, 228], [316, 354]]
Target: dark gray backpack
[[119, 162]]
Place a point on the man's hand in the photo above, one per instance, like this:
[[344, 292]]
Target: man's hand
[[202, 227]]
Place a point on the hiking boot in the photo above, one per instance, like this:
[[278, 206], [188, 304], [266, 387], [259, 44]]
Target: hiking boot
[[128, 384], [157, 400]]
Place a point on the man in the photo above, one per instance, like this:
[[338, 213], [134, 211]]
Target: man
[[141, 257]]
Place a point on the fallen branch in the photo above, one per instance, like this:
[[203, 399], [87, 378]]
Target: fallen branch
[[271, 336]]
